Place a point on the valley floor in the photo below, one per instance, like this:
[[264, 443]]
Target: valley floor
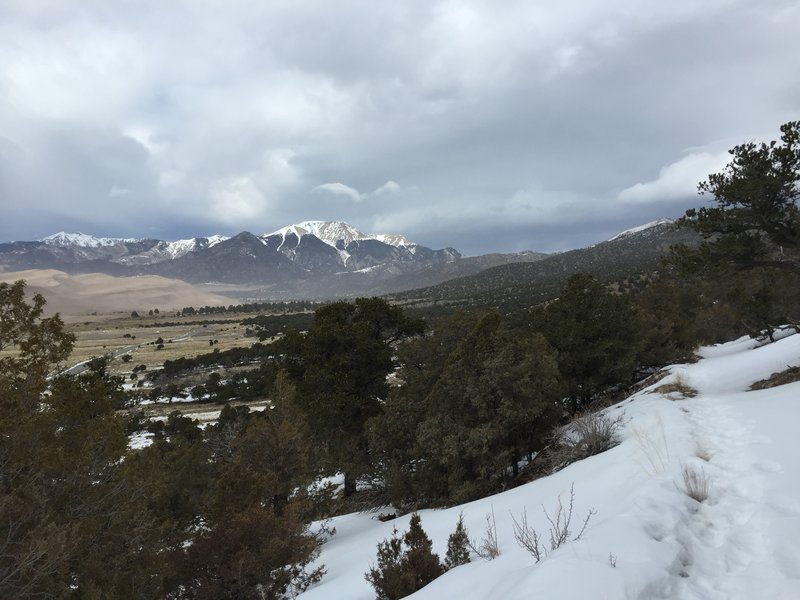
[[648, 539]]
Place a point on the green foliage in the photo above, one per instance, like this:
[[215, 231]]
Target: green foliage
[[669, 314], [405, 564], [596, 334], [249, 554], [750, 259], [226, 358], [340, 367], [38, 343], [458, 426], [267, 326], [70, 517], [83, 516], [457, 546], [756, 199]]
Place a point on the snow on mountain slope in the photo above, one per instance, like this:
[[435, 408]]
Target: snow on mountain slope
[[83, 240], [180, 248], [648, 538], [641, 228], [331, 232]]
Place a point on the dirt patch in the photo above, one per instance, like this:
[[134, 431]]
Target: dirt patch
[[790, 375]]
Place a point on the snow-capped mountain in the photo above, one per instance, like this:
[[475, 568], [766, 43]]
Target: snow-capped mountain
[[83, 240], [337, 233], [339, 247], [657, 224], [323, 259], [318, 258]]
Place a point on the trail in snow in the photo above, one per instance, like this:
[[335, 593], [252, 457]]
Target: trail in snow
[[741, 543]]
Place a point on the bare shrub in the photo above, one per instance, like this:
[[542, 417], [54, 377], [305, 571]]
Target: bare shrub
[[695, 483], [559, 531], [587, 435], [487, 548], [676, 389], [527, 537]]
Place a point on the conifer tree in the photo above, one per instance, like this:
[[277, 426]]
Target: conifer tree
[[755, 221], [750, 256], [340, 367], [457, 546], [596, 334], [406, 563], [459, 432]]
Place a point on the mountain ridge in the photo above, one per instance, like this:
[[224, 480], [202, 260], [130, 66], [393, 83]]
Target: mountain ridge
[[306, 259], [328, 259]]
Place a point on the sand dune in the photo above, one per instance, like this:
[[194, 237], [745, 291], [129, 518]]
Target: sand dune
[[75, 295]]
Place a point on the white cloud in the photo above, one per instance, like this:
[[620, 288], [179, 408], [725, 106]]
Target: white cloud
[[237, 114], [390, 187], [237, 200], [677, 180], [340, 189]]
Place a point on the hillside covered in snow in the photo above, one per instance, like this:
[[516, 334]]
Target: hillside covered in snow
[[648, 538]]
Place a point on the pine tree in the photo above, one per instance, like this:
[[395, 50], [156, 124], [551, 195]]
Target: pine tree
[[750, 257], [340, 367], [755, 221], [457, 546], [596, 334], [406, 563], [495, 398]]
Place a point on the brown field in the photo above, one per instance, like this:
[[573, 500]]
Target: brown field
[[97, 310], [105, 334], [76, 296]]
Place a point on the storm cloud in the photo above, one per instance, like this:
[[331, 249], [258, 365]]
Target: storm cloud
[[480, 125]]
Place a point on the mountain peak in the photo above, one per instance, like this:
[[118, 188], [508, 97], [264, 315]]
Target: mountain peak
[[332, 232], [83, 240], [640, 228]]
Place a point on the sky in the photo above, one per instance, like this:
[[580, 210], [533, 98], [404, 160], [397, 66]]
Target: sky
[[483, 126]]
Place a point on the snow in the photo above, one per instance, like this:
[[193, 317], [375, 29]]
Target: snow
[[172, 400], [179, 248], [139, 440], [174, 249], [331, 232], [213, 240], [640, 228], [83, 240], [741, 543]]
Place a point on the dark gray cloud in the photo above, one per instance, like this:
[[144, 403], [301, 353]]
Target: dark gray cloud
[[486, 127]]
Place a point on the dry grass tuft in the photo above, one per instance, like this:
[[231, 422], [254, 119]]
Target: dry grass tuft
[[695, 484], [676, 390], [654, 448], [587, 435], [790, 375], [487, 548]]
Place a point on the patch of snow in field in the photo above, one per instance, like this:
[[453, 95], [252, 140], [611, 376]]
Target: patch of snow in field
[[172, 400], [139, 440]]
